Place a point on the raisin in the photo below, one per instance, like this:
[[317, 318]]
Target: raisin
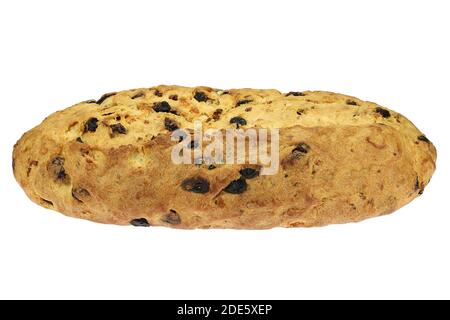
[[57, 168], [351, 102], [295, 94], [105, 96], [236, 187], [173, 97], [216, 114], [62, 175], [196, 185], [211, 167], [423, 138], [158, 93], [141, 222], [80, 193], [58, 161], [91, 125], [118, 128], [239, 121], [302, 148], [200, 96], [243, 101], [384, 113], [138, 95], [172, 218], [300, 111], [170, 124], [79, 140], [162, 106], [249, 173]]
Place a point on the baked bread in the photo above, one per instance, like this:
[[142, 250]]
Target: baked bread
[[341, 160]]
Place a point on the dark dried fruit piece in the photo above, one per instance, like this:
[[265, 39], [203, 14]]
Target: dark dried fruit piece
[[79, 140], [300, 111], [141, 222], [162, 106], [243, 101], [211, 167], [200, 96], [237, 186], [58, 161], [80, 193], [295, 94], [118, 128], [196, 185], [423, 138], [216, 114], [138, 95], [91, 125], [239, 121], [158, 93], [170, 124], [57, 169], [172, 218], [351, 102], [173, 97], [62, 175], [302, 148], [249, 173], [105, 96], [384, 113]]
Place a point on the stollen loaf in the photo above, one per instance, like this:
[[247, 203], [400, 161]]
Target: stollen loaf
[[335, 159]]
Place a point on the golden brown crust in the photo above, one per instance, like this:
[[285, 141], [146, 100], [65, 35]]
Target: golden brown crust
[[362, 160]]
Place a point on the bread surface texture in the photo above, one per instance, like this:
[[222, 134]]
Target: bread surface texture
[[341, 159]]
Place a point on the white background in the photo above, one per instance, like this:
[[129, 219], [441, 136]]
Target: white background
[[56, 53]]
